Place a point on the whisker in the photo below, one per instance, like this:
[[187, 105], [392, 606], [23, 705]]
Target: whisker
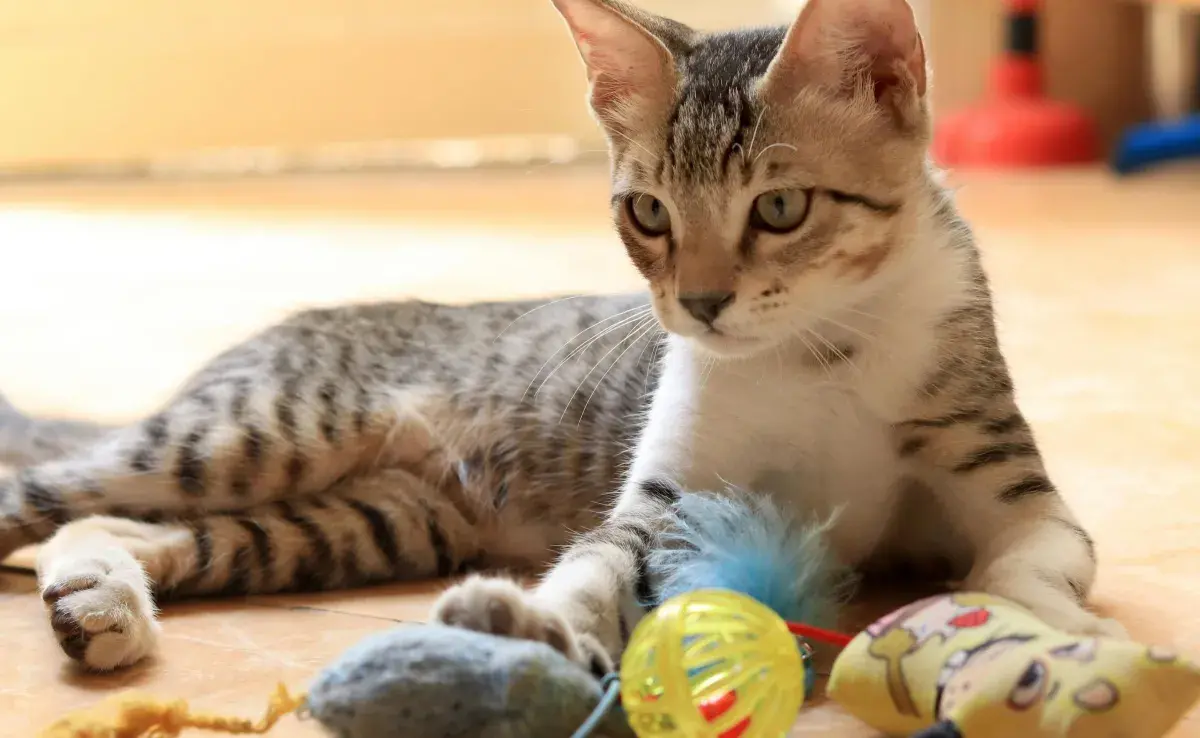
[[645, 332], [568, 342], [757, 123], [579, 385], [648, 345], [814, 318], [527, 313], [772, 146], [816, 354], [706, 373], [586, 345], [655, 357], [863, 313], [848, 328], [836, 351], [635, 143]]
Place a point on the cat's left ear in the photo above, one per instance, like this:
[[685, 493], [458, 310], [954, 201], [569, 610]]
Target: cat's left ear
[[630, 68], [854, 47]]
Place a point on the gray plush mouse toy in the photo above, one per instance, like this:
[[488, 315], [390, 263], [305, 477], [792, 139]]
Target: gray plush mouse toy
[[431, 681]]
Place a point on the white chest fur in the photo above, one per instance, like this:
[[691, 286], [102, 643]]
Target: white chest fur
[[820, 438], [777, 426]]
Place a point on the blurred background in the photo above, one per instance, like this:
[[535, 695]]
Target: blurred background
[[219, 85], [185, 172]]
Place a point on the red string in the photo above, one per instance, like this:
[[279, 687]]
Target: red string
[[819, 634]]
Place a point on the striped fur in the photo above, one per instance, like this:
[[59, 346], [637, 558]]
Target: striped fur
[[350, 446], [851, 365], [845, 362]]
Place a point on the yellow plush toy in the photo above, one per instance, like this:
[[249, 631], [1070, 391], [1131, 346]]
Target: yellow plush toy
[[976, 666]]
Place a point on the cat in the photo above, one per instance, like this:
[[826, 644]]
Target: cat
[[832, 338], [818, 328]]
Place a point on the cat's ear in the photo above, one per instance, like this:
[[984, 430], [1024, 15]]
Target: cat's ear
[[855, 47], [629, 65]]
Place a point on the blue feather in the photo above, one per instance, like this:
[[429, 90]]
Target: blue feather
[[744, 543]]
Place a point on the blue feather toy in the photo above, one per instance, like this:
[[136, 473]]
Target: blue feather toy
[[743, 542], [440, 682]]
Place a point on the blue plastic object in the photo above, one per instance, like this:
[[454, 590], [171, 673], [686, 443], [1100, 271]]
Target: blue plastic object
[[1154, 143]]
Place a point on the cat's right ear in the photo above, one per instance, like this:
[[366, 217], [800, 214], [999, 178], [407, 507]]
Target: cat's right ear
[[630, 70], [856, 48]]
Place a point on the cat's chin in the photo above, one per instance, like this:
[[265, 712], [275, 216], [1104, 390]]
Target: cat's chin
[[730, 347]]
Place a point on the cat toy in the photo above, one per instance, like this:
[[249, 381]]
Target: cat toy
[[971, 665], [707, 661], [717, 658], [733, 563], [716, 663]]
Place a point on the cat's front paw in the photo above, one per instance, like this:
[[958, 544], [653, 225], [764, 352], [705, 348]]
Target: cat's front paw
[[101, 610], [501, 607], [1075, 620], [1056, 607]]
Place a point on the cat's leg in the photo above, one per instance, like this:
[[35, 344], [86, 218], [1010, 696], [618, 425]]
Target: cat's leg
[[101, 576], [987, 472], [235, 442], [590, 600]]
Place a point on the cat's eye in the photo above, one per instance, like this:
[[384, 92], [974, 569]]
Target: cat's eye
[[780, 211], [1029, 687], [649, 214]]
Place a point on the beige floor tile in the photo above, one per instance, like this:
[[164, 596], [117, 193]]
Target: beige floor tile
[[1098, 291], [223, 659]]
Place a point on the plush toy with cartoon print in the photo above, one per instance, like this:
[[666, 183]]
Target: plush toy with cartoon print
[[975, 666]]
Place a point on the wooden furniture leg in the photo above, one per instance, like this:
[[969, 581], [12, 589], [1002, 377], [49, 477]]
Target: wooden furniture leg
[[1173, 43]]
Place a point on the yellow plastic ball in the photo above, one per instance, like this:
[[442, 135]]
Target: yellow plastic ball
[[712, 664]]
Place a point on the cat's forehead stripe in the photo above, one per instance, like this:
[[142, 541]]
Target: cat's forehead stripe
[[713, 119]]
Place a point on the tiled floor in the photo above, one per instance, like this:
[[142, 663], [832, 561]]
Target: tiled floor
[[113, 294]]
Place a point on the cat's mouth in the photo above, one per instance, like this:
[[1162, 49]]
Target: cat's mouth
[[728, 345]]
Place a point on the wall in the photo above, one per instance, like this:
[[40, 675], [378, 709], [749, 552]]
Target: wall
[[1092, 53], [116, 80], [105, 80]]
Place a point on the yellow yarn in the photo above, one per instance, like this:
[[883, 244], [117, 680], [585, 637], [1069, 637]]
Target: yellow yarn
[[132, 715]]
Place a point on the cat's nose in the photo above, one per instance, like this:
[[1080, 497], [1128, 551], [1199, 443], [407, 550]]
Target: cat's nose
[[705, 306]]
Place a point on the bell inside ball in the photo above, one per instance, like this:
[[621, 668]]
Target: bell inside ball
[[712, 664]]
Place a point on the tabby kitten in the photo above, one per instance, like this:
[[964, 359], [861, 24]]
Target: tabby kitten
[[832, 341], [829, 342]]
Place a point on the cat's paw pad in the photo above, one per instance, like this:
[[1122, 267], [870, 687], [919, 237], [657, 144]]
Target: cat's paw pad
[[501, 607], [101, 611]]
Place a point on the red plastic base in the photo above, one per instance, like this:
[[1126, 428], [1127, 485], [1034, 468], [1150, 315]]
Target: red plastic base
[[1016, 133], [1017, 127]]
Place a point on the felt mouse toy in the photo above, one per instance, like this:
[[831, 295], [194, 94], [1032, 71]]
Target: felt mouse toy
[[430, 681], [439, 682]]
